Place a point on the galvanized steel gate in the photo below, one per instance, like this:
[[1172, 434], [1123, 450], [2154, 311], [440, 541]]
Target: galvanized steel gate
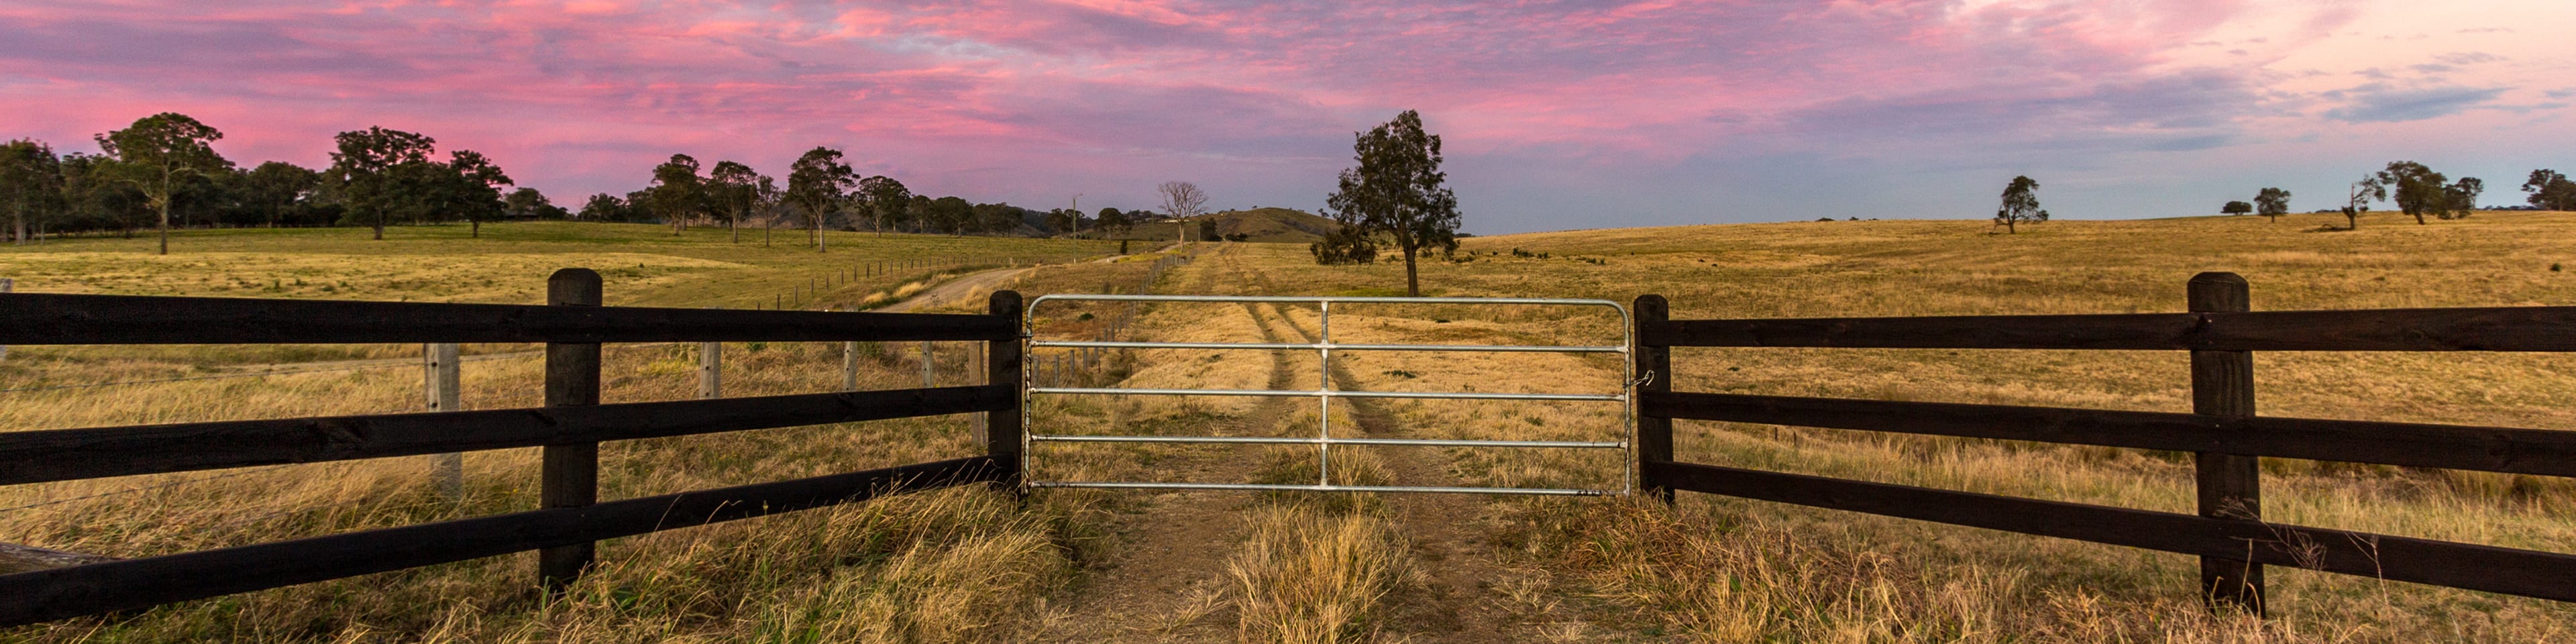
[[1324, 440]]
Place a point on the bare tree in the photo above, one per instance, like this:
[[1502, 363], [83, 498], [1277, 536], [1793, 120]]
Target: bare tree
[[1182, 199]]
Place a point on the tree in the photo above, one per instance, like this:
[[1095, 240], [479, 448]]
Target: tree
[[604, 207], [275, 187], [1397, 190], [31, 184], [2419, 190], [678, 191], [2463, 197], [816, 184], [2236, 208], [2550, 190], [2358, 199], [1348, 245], [155, 152], [1063, 220], [473, 189], [527, 203], [1112, 219], [2021, 205], [951, 214], [734, 188], [365, 167], [95, 198], [1182, 199], [887, 201], [2272, 202]]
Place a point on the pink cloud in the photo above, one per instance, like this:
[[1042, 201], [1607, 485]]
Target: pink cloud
[[1025, 100]]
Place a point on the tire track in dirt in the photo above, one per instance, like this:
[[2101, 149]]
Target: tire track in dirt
[[1461, 598], [1168, 581]]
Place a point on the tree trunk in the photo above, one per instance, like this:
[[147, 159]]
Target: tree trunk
[[2419, 218], [1412, 282], [477, 224], [380, 225], [2008, 227], [735, 226], [165, 224]]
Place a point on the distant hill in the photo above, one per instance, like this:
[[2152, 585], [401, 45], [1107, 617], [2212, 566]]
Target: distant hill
[[1258, 224]]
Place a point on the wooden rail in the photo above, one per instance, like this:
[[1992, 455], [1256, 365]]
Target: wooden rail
[[568, 428], [2223, 432]]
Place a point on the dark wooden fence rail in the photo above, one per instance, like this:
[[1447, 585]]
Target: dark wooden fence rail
[[569, 429], [2223, 432]]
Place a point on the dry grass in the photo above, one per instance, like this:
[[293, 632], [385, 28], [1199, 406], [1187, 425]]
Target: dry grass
[[1729, 570], [955, 565], [971, 565]]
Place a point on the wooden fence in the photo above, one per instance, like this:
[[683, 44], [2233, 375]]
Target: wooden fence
[[568, 428], [2223, 432]]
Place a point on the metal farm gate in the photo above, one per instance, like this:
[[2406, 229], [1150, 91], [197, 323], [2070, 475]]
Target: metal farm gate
[[1325, 392]]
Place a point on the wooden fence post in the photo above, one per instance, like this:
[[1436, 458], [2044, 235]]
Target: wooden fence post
[[710, 370], [5, 285], [570, 476], [850, 366], [2222, 384], [1654, 364], [1002, 427], [929, 364], [441, 377]]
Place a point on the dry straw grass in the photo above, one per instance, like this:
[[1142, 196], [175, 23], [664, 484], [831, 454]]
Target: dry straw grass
[[1727, 570]]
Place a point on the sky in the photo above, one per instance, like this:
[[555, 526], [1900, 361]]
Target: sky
[[1555, 115]]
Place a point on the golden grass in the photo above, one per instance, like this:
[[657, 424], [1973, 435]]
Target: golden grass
[[1332, 568], [1810, 575]]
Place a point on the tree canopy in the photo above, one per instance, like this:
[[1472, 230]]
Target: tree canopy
[[817, 183], [156, 153], [2272, 202], [2236, 208], [2550, 190], [2020, 205], [1398, 190]]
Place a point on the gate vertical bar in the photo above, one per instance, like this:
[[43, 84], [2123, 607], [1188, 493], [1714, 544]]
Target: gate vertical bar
[[1005, 430], [442, 377], [1324, 351], [570, 476], [2230, 485], [1654, 364]]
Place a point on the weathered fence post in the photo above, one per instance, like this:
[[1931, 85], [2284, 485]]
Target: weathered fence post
[[1654, 364], [929, 364], [1002, 427], [570, 476], [5, 285], [2222, 384], [710, 370], [441, 377], [850, 366]]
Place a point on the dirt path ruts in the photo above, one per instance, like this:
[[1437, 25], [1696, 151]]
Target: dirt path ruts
[[1462, 598], [1168, 582]]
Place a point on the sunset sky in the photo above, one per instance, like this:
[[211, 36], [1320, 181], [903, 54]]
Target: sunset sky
[[1556, 114]]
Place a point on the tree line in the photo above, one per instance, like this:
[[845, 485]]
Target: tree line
[[2419, 192], [162, 171]]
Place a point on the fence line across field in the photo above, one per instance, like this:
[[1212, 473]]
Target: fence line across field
[[1324, 393]]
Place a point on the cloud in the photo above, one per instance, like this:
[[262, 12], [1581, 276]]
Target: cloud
[[2389, 106], [1028, 101]]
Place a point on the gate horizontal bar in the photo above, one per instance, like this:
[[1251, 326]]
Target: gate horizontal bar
[[1535, 348], [1310, 393], [1283, 440], [1537, 491]]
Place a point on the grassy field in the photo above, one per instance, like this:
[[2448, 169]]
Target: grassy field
[[972, 565], [1725, 570]]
